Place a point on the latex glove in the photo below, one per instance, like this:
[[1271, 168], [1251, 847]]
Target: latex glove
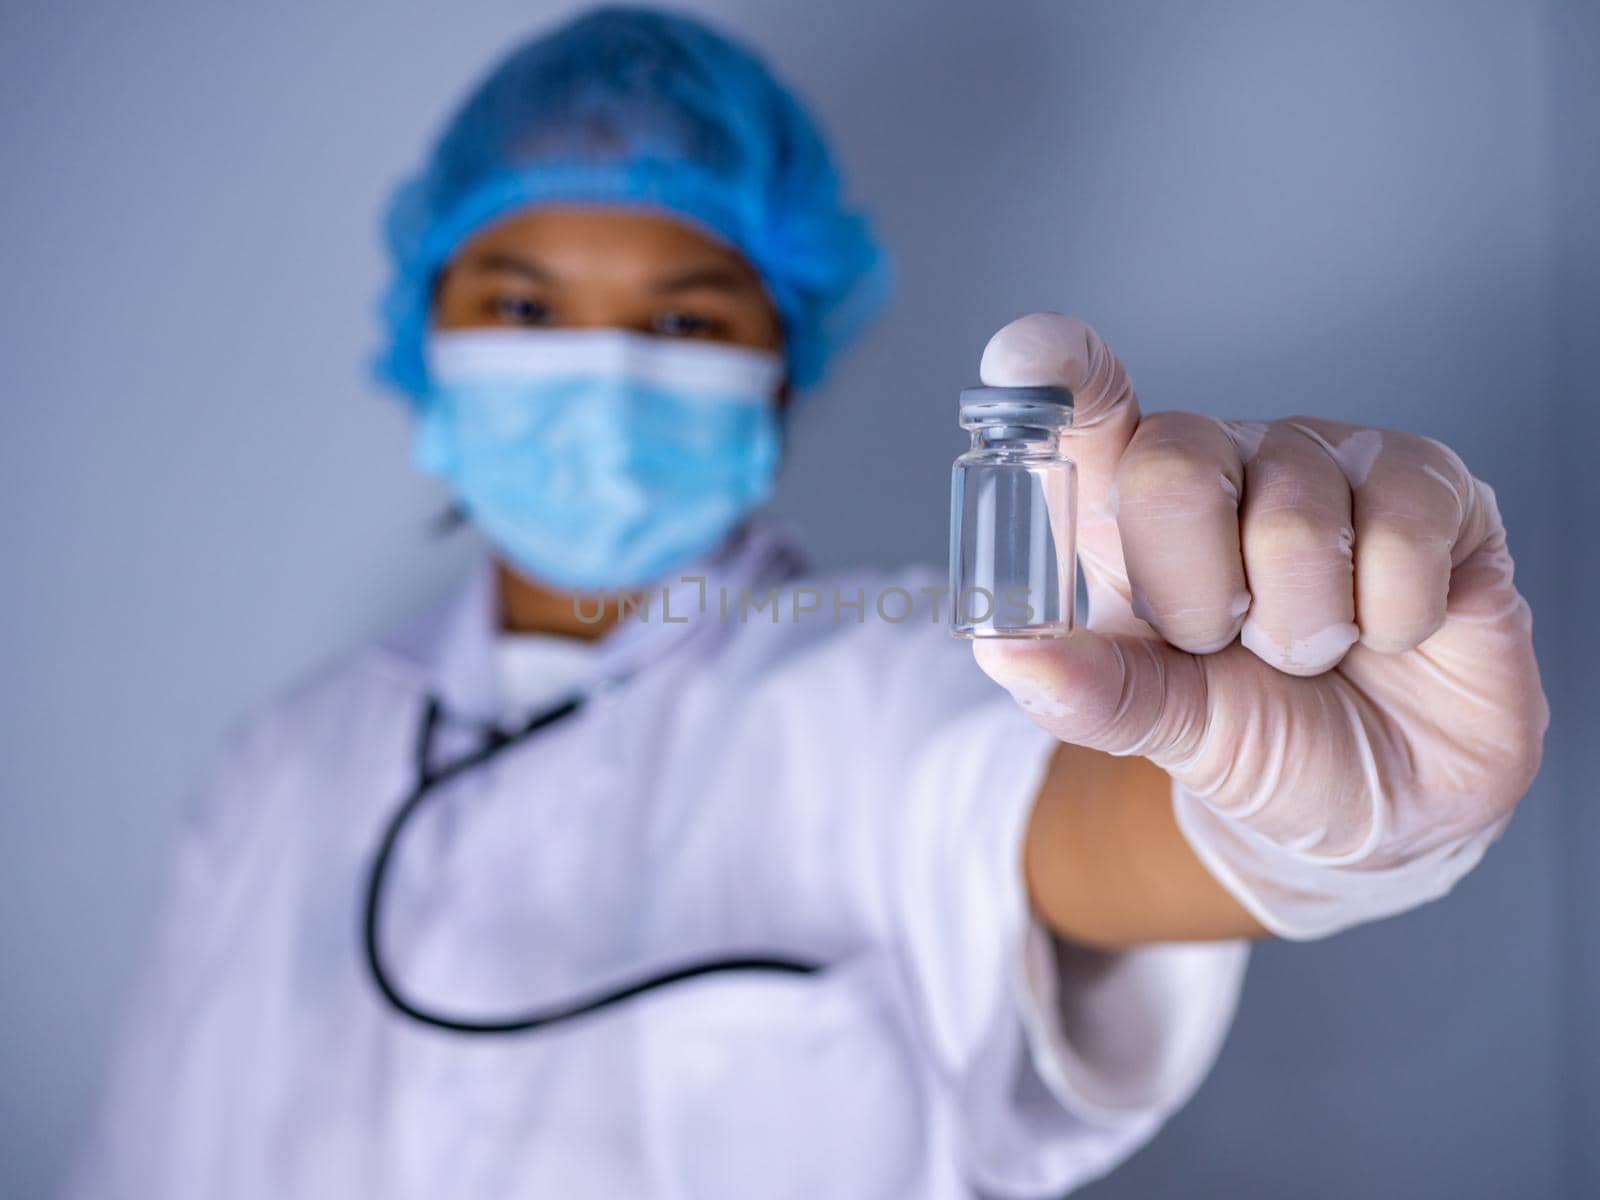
[[1310, 626]]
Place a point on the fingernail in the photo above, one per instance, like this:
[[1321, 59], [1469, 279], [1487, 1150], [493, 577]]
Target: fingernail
[[1037, 348], [1301, 656], [1032, 698], [1007, 663]]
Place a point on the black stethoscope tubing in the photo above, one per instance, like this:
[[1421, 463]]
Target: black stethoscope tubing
[[429, 780]]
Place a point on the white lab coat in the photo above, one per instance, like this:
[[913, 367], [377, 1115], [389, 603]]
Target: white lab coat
[[846, 790]]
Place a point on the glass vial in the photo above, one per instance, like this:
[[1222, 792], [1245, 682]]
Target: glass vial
[[1013, 516]]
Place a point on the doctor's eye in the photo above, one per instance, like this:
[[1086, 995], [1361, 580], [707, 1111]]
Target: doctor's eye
[[520, 310], [679, 324]]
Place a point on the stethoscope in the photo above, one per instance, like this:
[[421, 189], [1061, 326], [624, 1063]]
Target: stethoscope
[[496, 741]]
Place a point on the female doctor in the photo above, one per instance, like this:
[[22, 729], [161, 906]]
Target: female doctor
[[792, 900]]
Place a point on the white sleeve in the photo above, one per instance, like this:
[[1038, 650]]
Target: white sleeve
[[150, 1119], [1057, 1062]]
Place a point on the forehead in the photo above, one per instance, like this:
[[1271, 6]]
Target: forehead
[[618, 241]]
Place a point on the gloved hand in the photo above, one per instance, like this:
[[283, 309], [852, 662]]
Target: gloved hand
[[1310, 626]]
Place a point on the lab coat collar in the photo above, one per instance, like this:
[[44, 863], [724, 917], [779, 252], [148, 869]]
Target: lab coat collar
[[452, 648]]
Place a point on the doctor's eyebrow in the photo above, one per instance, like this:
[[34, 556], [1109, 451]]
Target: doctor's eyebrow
[[719, 278], [495, 260]]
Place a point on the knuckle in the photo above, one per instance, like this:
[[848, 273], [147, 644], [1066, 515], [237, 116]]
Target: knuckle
[[1402, 585], [1294, 532], [1433, 452], [1397, 614], [1167, 470], [1423, 465], [1387, 544]]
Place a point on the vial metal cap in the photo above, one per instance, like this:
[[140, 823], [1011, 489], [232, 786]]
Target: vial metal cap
[[1014, 405]]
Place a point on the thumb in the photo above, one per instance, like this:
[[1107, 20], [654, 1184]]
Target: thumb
[[1049, 348], [1120, 694]]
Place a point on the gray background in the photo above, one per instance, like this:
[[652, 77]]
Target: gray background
[[1366, 209]]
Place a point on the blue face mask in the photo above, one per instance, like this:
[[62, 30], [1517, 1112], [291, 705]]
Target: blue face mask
[[599, 459]]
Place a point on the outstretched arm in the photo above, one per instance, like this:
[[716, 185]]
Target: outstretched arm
[[1107, 865], [1310, 627]]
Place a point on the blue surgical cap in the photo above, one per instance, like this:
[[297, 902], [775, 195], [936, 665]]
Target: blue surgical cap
[[642, 108]]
